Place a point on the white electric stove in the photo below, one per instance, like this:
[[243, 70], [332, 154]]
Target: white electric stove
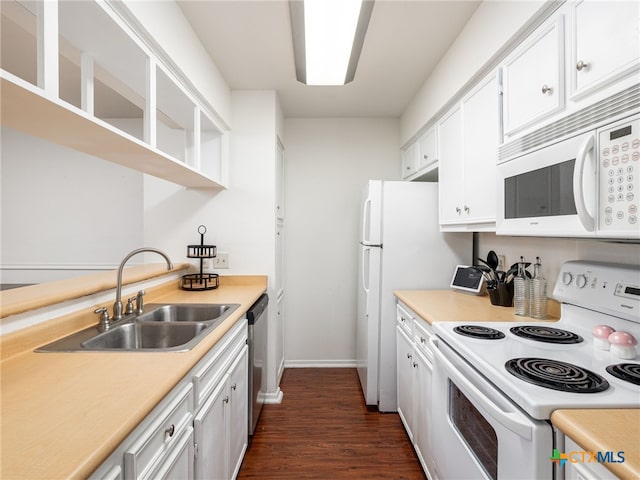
[[486, 375]]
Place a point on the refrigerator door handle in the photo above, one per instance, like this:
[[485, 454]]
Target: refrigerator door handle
[[366, 219], [366, 253]]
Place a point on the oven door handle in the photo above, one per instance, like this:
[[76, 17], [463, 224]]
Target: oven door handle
[[578, 180], [513, 421]]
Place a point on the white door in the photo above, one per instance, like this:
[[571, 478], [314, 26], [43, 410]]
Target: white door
[[367, 328], [238, 421], [451, 167], [534, 78], [605, 44], [481, 132], [404, 365], [210, 426]]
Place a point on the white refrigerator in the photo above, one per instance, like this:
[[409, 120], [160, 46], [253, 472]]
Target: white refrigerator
[[401, 248]]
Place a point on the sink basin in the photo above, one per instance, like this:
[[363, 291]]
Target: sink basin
[[186, 312], [162, 327], [141, 336]]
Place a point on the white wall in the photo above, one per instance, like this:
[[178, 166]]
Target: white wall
[[64, 213], [553, 252], [328, 162], [491, 27], [239, 220], [168, 26]]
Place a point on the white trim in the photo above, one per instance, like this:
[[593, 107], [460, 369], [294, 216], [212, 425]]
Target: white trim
[[273, 397], [320, 364]]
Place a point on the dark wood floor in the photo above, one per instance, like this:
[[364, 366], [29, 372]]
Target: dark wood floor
[[323, 430]]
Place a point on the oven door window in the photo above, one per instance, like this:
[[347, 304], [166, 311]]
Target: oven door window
[[477, 433], [545, 192]]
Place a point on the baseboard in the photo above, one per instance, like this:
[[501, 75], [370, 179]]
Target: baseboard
[[320, 364], [273, 397]]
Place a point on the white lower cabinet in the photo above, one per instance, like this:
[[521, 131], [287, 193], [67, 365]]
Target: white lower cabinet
[[414, 370], [221, 424], [200, 429]]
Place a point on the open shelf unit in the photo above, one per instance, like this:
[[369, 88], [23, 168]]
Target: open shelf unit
[[84, 79]]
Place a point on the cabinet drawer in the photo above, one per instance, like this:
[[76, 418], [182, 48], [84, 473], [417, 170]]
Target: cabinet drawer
[[405, 320], [421, 334], [144, 455], [209, 374]]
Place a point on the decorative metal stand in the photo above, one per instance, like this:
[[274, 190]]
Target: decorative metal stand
[[200, 281]]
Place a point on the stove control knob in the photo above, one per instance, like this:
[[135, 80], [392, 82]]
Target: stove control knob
[[581, 281], [567, 277]]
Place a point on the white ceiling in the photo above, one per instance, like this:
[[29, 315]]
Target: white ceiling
[[250, 42]]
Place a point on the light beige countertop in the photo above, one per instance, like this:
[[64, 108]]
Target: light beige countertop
[[605, 431], [64, 413], [453, 306], [595, 430]]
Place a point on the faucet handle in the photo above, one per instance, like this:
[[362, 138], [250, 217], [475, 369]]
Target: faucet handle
[[129, 308], [103, 323], [140, 302]]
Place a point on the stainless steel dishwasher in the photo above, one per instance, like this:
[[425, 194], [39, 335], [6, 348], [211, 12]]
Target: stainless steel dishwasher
[[257, 318]]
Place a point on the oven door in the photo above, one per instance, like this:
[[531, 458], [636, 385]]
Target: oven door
[[551, 191], [477, 432]]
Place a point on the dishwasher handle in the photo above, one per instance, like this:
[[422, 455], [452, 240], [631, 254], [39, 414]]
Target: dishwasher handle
[[257, 309]]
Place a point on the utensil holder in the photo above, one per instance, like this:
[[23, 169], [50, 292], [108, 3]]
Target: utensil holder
[[502, 295]]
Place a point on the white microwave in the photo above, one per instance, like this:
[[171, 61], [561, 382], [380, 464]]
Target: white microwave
[[587, 185]]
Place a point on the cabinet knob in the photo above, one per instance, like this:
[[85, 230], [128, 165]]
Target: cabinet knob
[[425, 156], [226, 399], [466, 209], [546, 89], [170, 431], [234, 386], [580, 65], [422, 339], [408, 167], [409, 355], [415, 365], [458, 210]]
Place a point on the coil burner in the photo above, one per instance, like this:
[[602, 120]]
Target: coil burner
[[629, 372], [556, 375], [478, 331], [542, 333]]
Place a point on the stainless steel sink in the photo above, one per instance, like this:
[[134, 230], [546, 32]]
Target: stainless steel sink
[[186, 312], [163, 327], [146, 336]]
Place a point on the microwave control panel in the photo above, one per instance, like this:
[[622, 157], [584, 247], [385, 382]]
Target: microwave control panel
[[619, 177]]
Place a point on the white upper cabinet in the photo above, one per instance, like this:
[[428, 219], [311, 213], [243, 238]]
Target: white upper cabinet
[[409, 160], [85, 78], [533, 77], [428, 150], [604, 44], [468, 139], [420, 158]]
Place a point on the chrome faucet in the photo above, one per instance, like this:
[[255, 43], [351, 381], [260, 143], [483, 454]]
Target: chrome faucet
[[117, 306]]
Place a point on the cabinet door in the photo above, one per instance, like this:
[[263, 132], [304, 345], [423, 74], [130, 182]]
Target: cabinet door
[[409, 160], [404, 366], [279, 332], [210, 427], [534, 78], [605, 43], [279, 180], [179, 464], [238, 412], [422, 396], [481, 137], [427, 149], [451, 167]]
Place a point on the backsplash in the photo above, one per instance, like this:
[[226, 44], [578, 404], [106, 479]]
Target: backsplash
[[553, 252]]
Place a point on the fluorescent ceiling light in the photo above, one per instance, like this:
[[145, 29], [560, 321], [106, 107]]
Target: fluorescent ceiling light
[[327, 38]]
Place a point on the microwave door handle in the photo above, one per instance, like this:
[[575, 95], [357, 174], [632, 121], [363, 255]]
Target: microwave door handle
[[578, 184], [510, 420]]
